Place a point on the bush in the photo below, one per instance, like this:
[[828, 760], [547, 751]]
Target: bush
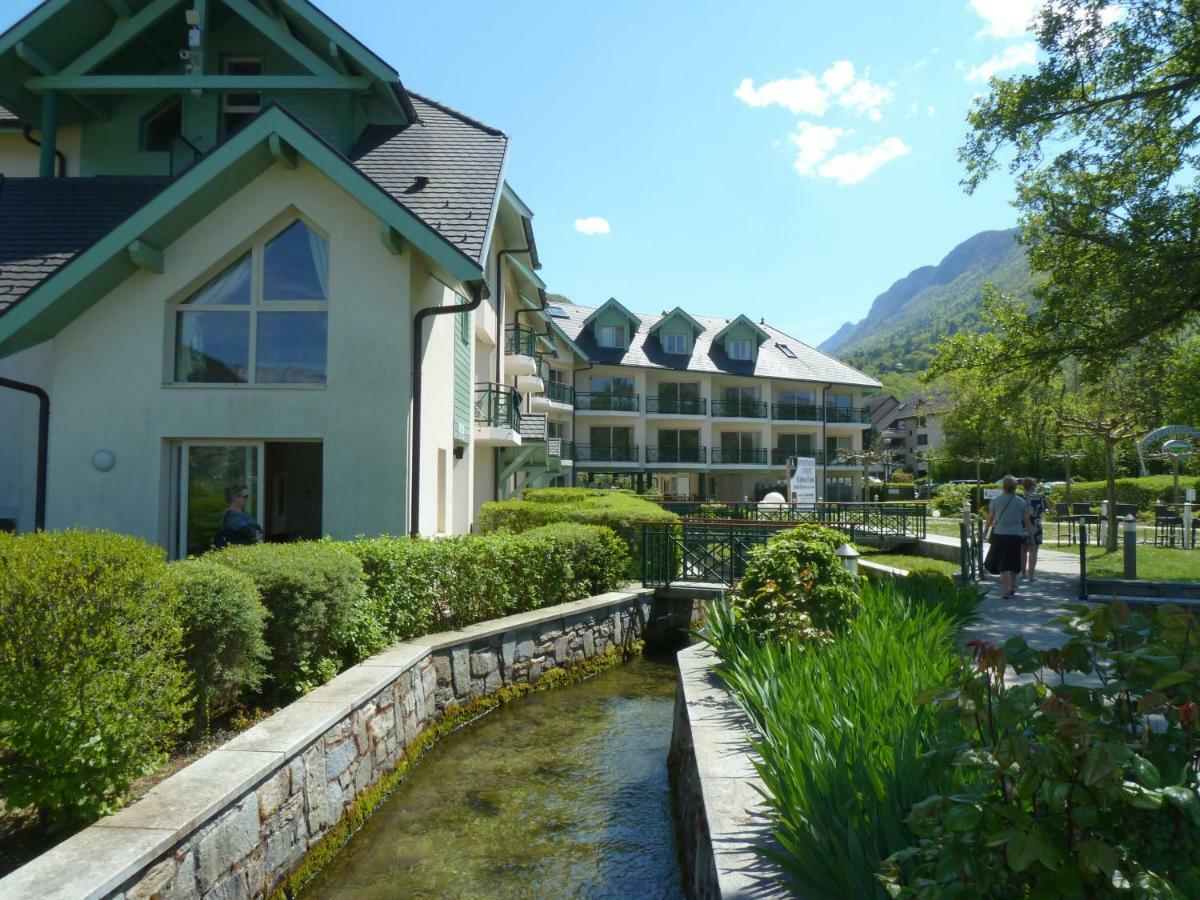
[[418, 586], [1145, 492], [949, 499], [92, 686], [223, 624], [903, 478], [618, 510], [319, 616], [795, 586]]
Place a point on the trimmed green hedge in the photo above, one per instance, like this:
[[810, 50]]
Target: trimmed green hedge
[[1145, 492], [618, 510], [93, 689], [418, 586]]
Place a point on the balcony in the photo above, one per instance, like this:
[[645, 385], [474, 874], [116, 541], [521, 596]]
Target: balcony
[[557, 392], [673, 406], [688, 456], [520, 345], [739, 409], [780, 457], [795, 412], [625, 403], [847, 416], [497, 419], [599, 453], [566, 450], [739, 456]]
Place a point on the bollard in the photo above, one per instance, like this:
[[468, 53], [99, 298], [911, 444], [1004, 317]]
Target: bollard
[[1189, 536], [1083, 590], [1102, 532], [1130, 547]]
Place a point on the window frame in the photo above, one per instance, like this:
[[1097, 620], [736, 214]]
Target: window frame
[[673, 338], [618, 333], [736, 343], [255, 248]]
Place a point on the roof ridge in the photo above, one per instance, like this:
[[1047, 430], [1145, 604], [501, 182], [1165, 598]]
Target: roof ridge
[[450, 111]]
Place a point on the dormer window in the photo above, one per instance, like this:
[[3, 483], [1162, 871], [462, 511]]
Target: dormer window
[[238, 109], [741, 350], [611, 336], [675, 343]]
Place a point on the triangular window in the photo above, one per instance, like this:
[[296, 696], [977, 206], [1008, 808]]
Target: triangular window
[[296, 266]]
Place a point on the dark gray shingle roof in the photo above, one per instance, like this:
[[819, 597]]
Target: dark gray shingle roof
[[447, 169], [645, 351], [7, 118], [46, 222]]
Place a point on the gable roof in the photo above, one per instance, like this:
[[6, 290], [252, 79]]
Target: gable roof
[[708, 354], [76, 284], [741, 320], [677, 313], [447, 168], [613, 303]]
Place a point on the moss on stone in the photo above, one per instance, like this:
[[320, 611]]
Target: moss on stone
[[450, 721]]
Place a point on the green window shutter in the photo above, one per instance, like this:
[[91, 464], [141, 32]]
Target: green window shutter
[[462, 374]]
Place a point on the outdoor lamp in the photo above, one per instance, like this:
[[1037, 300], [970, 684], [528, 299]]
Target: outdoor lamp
[[104, 460], [849, 557]]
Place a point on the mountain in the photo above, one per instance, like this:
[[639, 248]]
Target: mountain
[[908, 319]]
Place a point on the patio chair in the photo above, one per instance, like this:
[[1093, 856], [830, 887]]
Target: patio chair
[[1082, 512], [1062, 514], [1166, 522]]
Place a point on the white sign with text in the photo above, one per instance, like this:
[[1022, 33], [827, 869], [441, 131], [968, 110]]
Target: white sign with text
[[804, 481]]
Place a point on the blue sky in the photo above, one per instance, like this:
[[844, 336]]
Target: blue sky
[[787, 159]]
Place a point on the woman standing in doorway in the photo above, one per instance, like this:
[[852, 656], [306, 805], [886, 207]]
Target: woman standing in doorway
[[1008, 527]]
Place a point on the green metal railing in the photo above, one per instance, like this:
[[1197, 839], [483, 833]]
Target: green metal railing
[[568, 450], [844, 414], [560, 393], [739, 455], [520, 340], [705, 553], [971, 549], [496, 406], [608, 402], [892, 520], [739, 409], [674, 406], [601, 453], [795, 412], [692, 455]]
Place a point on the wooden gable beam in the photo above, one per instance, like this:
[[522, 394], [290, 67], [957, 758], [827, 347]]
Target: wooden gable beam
[[145, 256], [123, 32], [45, 68], [280, 36], [392, 239], [284, 153]]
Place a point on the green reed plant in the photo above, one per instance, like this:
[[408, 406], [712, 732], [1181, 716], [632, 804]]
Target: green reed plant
[[840, 737]]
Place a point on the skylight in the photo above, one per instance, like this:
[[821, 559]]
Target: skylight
[[786, 351], [557, 312]]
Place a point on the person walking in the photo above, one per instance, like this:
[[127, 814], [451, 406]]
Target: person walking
[[1008, 527], [1036, 501]]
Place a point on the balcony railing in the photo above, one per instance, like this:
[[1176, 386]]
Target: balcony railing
[[675, 406], [560, 393], [740, 409], [795, 412], [567, 450], [739, 455], [780, 457], [843, 415], [496, 406], [602, 453], [692, 455], [609, 402], [520, 340]]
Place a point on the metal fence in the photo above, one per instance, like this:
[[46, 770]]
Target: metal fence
[[894, 520], [700, 552]]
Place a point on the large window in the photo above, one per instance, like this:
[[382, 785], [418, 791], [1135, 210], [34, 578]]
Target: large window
[[839, 490], [612, 385], [263, 320], [680, 398], [794, 444]]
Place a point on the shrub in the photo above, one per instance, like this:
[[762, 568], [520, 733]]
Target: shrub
[[839, 734], [1145, 492], [223, 624], [618, 510], [319, 616], [949, 499], [903, 478], [92, 686], [795, 586], [418, 586]]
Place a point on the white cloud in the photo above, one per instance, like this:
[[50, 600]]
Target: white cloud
[[853, 167], [1012, 57], [866, 98], [800, 95], [813, 143], [592, 225], [1006, 18], [932, 111], [838, 76]]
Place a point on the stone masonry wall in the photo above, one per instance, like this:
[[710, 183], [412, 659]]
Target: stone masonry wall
[[236, 822]]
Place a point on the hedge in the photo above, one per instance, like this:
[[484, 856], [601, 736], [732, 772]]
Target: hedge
[[1145, 492], [223, 622], [93, 690], [618, 510], [417, 586], [320, 619]]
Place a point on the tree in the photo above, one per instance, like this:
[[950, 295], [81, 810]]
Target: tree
[[1103, 142]]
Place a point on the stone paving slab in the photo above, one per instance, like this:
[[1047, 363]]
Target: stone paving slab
[[1030, 611]]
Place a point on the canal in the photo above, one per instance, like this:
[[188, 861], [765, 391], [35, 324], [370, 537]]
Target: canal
[[562, 794]]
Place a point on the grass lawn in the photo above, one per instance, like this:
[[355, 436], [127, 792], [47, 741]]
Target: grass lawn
[[943, 526], [909, 563], [1153, 563]]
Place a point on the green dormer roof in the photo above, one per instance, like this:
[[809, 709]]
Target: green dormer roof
[[748, 323], [613, 304], [677, 315]]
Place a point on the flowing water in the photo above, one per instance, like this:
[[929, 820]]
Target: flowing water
[[559, 794]]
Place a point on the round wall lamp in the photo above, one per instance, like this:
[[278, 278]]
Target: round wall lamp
[[103, 460]]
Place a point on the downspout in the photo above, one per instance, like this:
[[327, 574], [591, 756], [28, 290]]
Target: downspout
[[477, 292], [824, 441], [39, 514], [58, 154], [574, 434]]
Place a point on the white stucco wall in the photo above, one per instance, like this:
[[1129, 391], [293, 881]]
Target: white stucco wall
[[109, 372], [19, 433]]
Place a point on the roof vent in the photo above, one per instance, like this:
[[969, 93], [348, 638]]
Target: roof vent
[[419, 184]]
